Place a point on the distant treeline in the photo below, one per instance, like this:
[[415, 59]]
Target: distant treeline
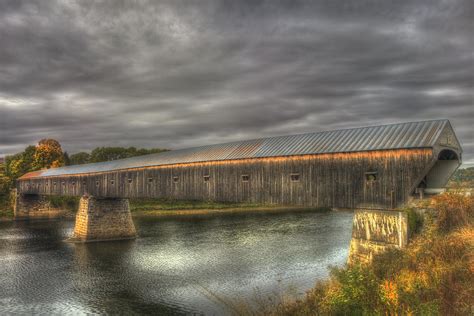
[[463, 177], [107, 154]]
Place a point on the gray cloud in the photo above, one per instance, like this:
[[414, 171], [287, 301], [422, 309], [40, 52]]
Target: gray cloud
[[177, 74]]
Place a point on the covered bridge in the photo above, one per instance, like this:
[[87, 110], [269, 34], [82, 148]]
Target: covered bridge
[[367, 167]]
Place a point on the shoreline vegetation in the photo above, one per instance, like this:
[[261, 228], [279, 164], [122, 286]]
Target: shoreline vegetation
[[6, 211], [167, 207], [164, 207]]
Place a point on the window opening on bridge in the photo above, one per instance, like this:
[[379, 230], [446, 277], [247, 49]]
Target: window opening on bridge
[[245, 178], [129, 180], [112, 182], [175, 179], [97, 183], [63, 183], [150, 180], [371, 176], [295, 177], [207, 178], [54, 183], [73, 183]]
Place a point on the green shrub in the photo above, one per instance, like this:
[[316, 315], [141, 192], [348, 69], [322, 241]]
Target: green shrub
[[70, 203], [6, 209], [355, 291], [415, 221]]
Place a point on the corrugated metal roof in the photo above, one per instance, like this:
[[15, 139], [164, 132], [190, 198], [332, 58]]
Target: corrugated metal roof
[[394, 136]]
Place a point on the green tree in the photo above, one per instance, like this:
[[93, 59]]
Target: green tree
[[463, 177], [113, 153], [48, 154], [100, 154], [67, 159], [21, 163], [79, 158], [4, 180], [144, 151]]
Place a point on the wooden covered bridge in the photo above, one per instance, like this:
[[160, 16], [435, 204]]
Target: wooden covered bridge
[[376, 167]]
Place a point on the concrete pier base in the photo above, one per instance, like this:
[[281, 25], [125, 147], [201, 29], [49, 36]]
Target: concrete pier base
[[375, 231], [102, 220], [33, 206]]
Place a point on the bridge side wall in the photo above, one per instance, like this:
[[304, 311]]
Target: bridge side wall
[[326, 180]]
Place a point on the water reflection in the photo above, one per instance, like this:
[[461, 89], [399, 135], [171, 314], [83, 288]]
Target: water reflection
[[171, 267]]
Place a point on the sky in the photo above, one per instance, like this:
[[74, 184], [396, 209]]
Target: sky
[[175, 74]]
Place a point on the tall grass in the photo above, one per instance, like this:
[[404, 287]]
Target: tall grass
[[453, 210]]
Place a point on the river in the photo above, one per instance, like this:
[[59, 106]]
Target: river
[[178, 265]]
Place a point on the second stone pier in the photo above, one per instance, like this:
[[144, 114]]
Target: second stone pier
[[103, 219]]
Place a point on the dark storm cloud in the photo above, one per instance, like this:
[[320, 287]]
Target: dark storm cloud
[[176, 74]]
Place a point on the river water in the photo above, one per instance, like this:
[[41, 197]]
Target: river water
[[178, 265]]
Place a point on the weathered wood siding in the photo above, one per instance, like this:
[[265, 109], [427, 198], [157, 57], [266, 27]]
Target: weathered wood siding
[[325, 180]]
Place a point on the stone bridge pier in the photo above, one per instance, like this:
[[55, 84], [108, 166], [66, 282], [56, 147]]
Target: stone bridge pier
[[28, 206], [102, 219], [374, 231]]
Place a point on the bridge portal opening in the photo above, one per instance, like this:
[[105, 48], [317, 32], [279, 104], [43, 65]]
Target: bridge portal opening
[[437, 178]]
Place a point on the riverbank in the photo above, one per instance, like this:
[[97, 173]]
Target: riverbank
[[165, 207], [184, 212], [433, 275]]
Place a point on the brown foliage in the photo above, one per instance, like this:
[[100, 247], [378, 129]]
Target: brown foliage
[[453, 210], [48, 154]]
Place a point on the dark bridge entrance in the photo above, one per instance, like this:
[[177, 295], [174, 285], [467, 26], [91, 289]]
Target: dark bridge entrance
[[434, 182]]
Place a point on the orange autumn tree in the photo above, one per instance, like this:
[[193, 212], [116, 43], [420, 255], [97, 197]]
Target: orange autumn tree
[[48, 154]]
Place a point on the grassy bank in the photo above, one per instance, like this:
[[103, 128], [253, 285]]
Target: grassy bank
[[144, 205], [163, 207], [152, 207], [158, 207], [434, 275]]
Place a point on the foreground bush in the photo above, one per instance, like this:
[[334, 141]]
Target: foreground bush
[[434, 275], [453, 210]]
